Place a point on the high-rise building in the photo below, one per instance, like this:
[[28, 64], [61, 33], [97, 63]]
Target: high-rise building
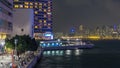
[[81, 28], [6, 22], [23, 22], [42, 16]]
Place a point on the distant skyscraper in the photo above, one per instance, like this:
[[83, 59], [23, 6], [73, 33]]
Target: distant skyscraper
[[72, 31], [42, 15], [6, 16], [115, 27], [119, 28], [81, 27]]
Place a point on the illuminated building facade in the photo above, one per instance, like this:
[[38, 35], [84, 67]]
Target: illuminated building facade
[[42, 16], [23, 22], [6, 16]]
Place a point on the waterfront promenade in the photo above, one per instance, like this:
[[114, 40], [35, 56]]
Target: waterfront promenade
[[24, 61], [5, 60], [33, 62]]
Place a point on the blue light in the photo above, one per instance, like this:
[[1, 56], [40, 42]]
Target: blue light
[[48, 35], [44, 44], [52, 44], [72, 30], [56, 43], [115, 27], [44, 52], [48, 44]]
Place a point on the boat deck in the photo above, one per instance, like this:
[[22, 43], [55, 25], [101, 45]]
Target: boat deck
[[88, 46]]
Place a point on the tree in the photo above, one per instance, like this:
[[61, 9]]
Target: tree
[[24, 43], [9, 46]]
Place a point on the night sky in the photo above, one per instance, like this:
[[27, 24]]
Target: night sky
[[91, 13]]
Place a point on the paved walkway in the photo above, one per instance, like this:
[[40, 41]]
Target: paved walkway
[[5, 60]]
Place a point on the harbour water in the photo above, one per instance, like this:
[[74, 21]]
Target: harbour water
[[105, 54]]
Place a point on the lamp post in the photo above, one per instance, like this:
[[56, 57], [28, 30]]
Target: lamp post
[[59, 42], [15, 41], [2, 43], [13, 62], [68, 40]]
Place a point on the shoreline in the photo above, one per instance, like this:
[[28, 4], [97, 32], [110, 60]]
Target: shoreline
[[35, 60]]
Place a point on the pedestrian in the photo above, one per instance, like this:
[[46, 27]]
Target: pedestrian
[[1, 65], [10, 65]]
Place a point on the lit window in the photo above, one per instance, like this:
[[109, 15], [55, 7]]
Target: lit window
[[36, 26], [49, 7], [40, 3], [16, 0], [36, 3], [26, 3], [31, 6], [16, 6], [48, 4], [40, 20], [31, 3], [21, 6], [36, 12], [36, 6], [40, 6], [49, 13], [49, 24], [45, 4], [44, 21], [45, 16], [26, 6], [45, 10], [48, 10]]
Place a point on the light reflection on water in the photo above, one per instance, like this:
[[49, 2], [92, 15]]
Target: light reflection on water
[[105, 54], [63, 52], [78, 52], [60, 58]]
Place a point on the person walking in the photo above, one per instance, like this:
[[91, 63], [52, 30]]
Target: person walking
[[1, 65]]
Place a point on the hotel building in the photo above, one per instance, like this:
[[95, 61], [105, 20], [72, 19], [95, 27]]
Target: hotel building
[[23, 22], [42, 16], [6, 22]]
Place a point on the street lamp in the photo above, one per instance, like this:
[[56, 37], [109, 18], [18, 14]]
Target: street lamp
[[2, 43], [59, 42], [15, 41], [68, 40]]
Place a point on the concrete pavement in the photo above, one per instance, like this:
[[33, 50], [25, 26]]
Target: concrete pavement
[[5, 60]]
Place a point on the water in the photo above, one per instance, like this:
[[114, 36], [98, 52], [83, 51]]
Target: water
[[106, 54]]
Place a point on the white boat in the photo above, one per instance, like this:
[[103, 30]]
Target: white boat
[[55, 45]]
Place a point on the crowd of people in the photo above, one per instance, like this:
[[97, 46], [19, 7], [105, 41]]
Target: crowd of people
[[23, 61], [20, 62]]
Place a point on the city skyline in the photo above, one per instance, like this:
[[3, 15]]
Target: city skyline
[[91, 13]]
